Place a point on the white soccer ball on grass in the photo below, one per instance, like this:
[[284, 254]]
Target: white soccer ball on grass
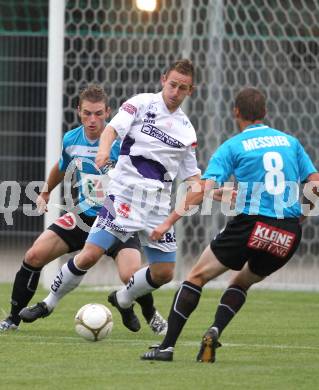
[[93, 321]]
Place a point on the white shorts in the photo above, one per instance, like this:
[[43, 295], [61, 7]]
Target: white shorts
[[125, 212]]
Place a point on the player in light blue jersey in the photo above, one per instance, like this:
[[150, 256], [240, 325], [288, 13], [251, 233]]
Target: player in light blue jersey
[[268, 166], [263, 160], [69, 232], [78, 154]]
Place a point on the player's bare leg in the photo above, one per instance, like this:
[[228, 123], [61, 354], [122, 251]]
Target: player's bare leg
[[245, 278], [145, 280], [128, 261], [47, 247], [207, 268]]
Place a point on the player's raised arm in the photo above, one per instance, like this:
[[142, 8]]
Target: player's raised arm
[[106, 140], [193, 197]]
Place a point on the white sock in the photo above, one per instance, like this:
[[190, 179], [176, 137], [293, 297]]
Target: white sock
[[136, 287], [66, 280]]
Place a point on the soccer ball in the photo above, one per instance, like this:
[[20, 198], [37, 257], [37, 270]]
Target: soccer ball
[[93, 321]]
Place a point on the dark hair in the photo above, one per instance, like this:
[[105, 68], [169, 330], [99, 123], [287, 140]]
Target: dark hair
[[183, 66], [94, 94], [251, 104]]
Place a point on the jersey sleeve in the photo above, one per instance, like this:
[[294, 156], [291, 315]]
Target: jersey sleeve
[[65, 158], [220, 166], [115, 150], [305, 164], [188, 166], [126, 115]]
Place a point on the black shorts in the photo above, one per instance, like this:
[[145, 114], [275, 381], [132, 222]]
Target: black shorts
[[266, 243], [73, 230]]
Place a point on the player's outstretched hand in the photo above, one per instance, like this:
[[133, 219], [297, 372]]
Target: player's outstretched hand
[[101, 159], [225, 194], [42, 202], [160, 230]]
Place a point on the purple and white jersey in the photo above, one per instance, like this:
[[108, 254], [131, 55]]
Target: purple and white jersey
[[157, 146]]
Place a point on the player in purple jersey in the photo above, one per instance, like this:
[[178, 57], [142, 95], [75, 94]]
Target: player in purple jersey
[[158, 146], [256, 242]]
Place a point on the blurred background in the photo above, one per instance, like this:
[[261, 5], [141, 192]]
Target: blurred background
[[270, 44]]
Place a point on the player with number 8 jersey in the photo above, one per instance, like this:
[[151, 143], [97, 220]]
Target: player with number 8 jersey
[[268, 166]]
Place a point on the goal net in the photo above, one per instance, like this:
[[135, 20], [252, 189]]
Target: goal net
[[272, 45]]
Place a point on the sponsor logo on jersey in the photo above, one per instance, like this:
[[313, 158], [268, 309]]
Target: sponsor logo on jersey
[[160, 135], [91, 152], [271, 239], [129, 108], [150, 117], [124, 209], [66, 221]]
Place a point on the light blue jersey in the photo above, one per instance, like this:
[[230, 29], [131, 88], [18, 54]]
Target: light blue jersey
[[268, 165], [78, 150]]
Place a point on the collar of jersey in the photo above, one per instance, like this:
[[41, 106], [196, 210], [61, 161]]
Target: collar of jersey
[[89, 141], [255, 127]]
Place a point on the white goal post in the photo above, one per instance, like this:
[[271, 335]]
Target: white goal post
[[54, 116]]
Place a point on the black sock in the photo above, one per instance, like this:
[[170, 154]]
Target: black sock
[[185, 302], [150, 280], [147, 305], [231, 301], [24, 288]]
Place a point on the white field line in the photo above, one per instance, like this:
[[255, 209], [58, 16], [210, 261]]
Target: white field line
[[148, 342], [218, 285]]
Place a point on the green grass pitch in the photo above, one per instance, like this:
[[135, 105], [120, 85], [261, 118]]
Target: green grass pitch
[[272, 344]]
